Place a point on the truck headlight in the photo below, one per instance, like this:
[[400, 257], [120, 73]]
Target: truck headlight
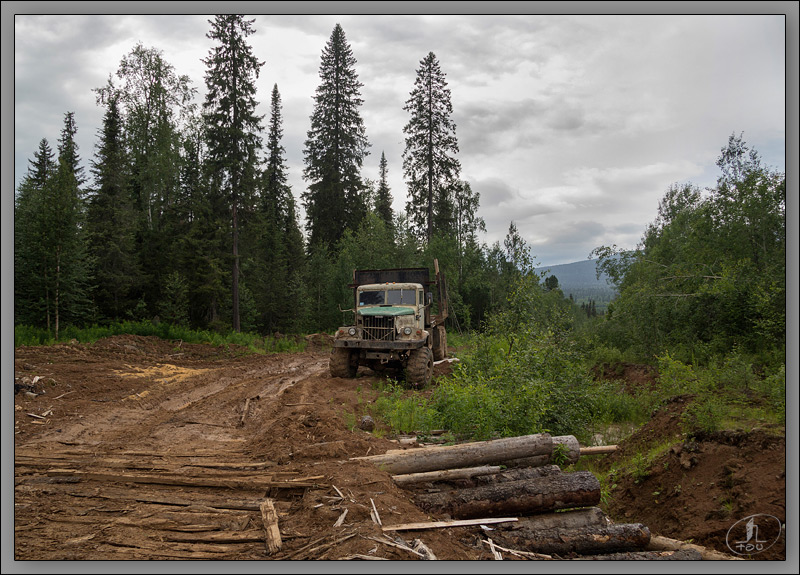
[[351, 331], [407, 330]]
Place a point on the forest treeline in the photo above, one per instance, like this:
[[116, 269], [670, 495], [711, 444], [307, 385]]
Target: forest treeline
[[186, 215]]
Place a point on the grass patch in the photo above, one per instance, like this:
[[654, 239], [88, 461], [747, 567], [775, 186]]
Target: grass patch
[[27, 335]]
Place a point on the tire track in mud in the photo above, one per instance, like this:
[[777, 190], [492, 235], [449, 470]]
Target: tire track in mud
[[160, 475]]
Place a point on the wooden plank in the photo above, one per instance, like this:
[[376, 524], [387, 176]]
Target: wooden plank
[[270, 519], [181, 481], [252, 536], [598, 450], [446, 524]]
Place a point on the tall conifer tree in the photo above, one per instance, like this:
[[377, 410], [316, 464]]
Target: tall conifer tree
[[335, 148], [232, 126], [111, 222], [429, 160], [278, 238], [31, 298], [152, 100], [383, 196]]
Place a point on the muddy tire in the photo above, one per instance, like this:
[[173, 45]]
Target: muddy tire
[[420, 367], [343, 363], [439, 343]]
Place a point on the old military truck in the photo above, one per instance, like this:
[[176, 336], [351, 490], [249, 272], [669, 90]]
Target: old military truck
[[395, 325]]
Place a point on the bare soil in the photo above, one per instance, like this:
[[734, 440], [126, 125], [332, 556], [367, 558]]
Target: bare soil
[[138, 448]]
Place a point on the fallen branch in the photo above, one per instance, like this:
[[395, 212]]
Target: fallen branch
[[374, 513], [391, 543], [519, 553], [364, 557], [492, 548], [445, 524], [309, 549]]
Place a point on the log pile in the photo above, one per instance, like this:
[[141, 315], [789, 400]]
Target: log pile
[[535, 509]]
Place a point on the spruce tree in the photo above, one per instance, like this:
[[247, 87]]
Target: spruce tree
[[278, 241], [52, 276], [383, 197], [31, 298], [335, 148], [429, 160], [232, 127], [111, 222]]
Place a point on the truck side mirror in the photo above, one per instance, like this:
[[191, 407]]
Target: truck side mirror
[[429, 298]]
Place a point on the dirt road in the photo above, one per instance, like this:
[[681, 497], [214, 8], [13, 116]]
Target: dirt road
[[139, 448]]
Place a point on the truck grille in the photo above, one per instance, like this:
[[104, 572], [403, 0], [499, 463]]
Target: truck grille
[[378, 328]]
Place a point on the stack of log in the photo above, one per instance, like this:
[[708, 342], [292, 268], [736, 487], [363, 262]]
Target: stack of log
[[547, 512]]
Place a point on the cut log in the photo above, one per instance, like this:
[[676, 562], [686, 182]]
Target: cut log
[[524, 497], [569, 519], [585, 540], [445, 475], [519, 474], [571, 454], [399, 462], [659, 543], [270, 519]]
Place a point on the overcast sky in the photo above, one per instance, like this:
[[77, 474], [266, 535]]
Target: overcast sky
[[572, 126]]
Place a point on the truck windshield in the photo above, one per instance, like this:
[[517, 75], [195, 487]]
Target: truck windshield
[[370, 298], [400, 296]]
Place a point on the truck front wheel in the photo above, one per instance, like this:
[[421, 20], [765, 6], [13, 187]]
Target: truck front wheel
[[342, 363], [420, 367]]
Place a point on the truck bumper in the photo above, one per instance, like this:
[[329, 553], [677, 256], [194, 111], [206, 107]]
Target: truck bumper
[[378, 345]]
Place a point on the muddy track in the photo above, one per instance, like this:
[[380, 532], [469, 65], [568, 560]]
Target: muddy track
[[161, 472], [138, 448]]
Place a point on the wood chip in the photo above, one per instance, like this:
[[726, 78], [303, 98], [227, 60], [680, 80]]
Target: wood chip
[[341, 519]]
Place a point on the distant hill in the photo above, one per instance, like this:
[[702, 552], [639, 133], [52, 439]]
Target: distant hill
[[580, 280]]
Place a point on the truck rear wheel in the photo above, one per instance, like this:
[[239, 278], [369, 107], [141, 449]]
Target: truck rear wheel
[[342, 363], [420, 367]]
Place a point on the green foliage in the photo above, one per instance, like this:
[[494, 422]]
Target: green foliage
[[28, 335], [402, 411], [710, 274]]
